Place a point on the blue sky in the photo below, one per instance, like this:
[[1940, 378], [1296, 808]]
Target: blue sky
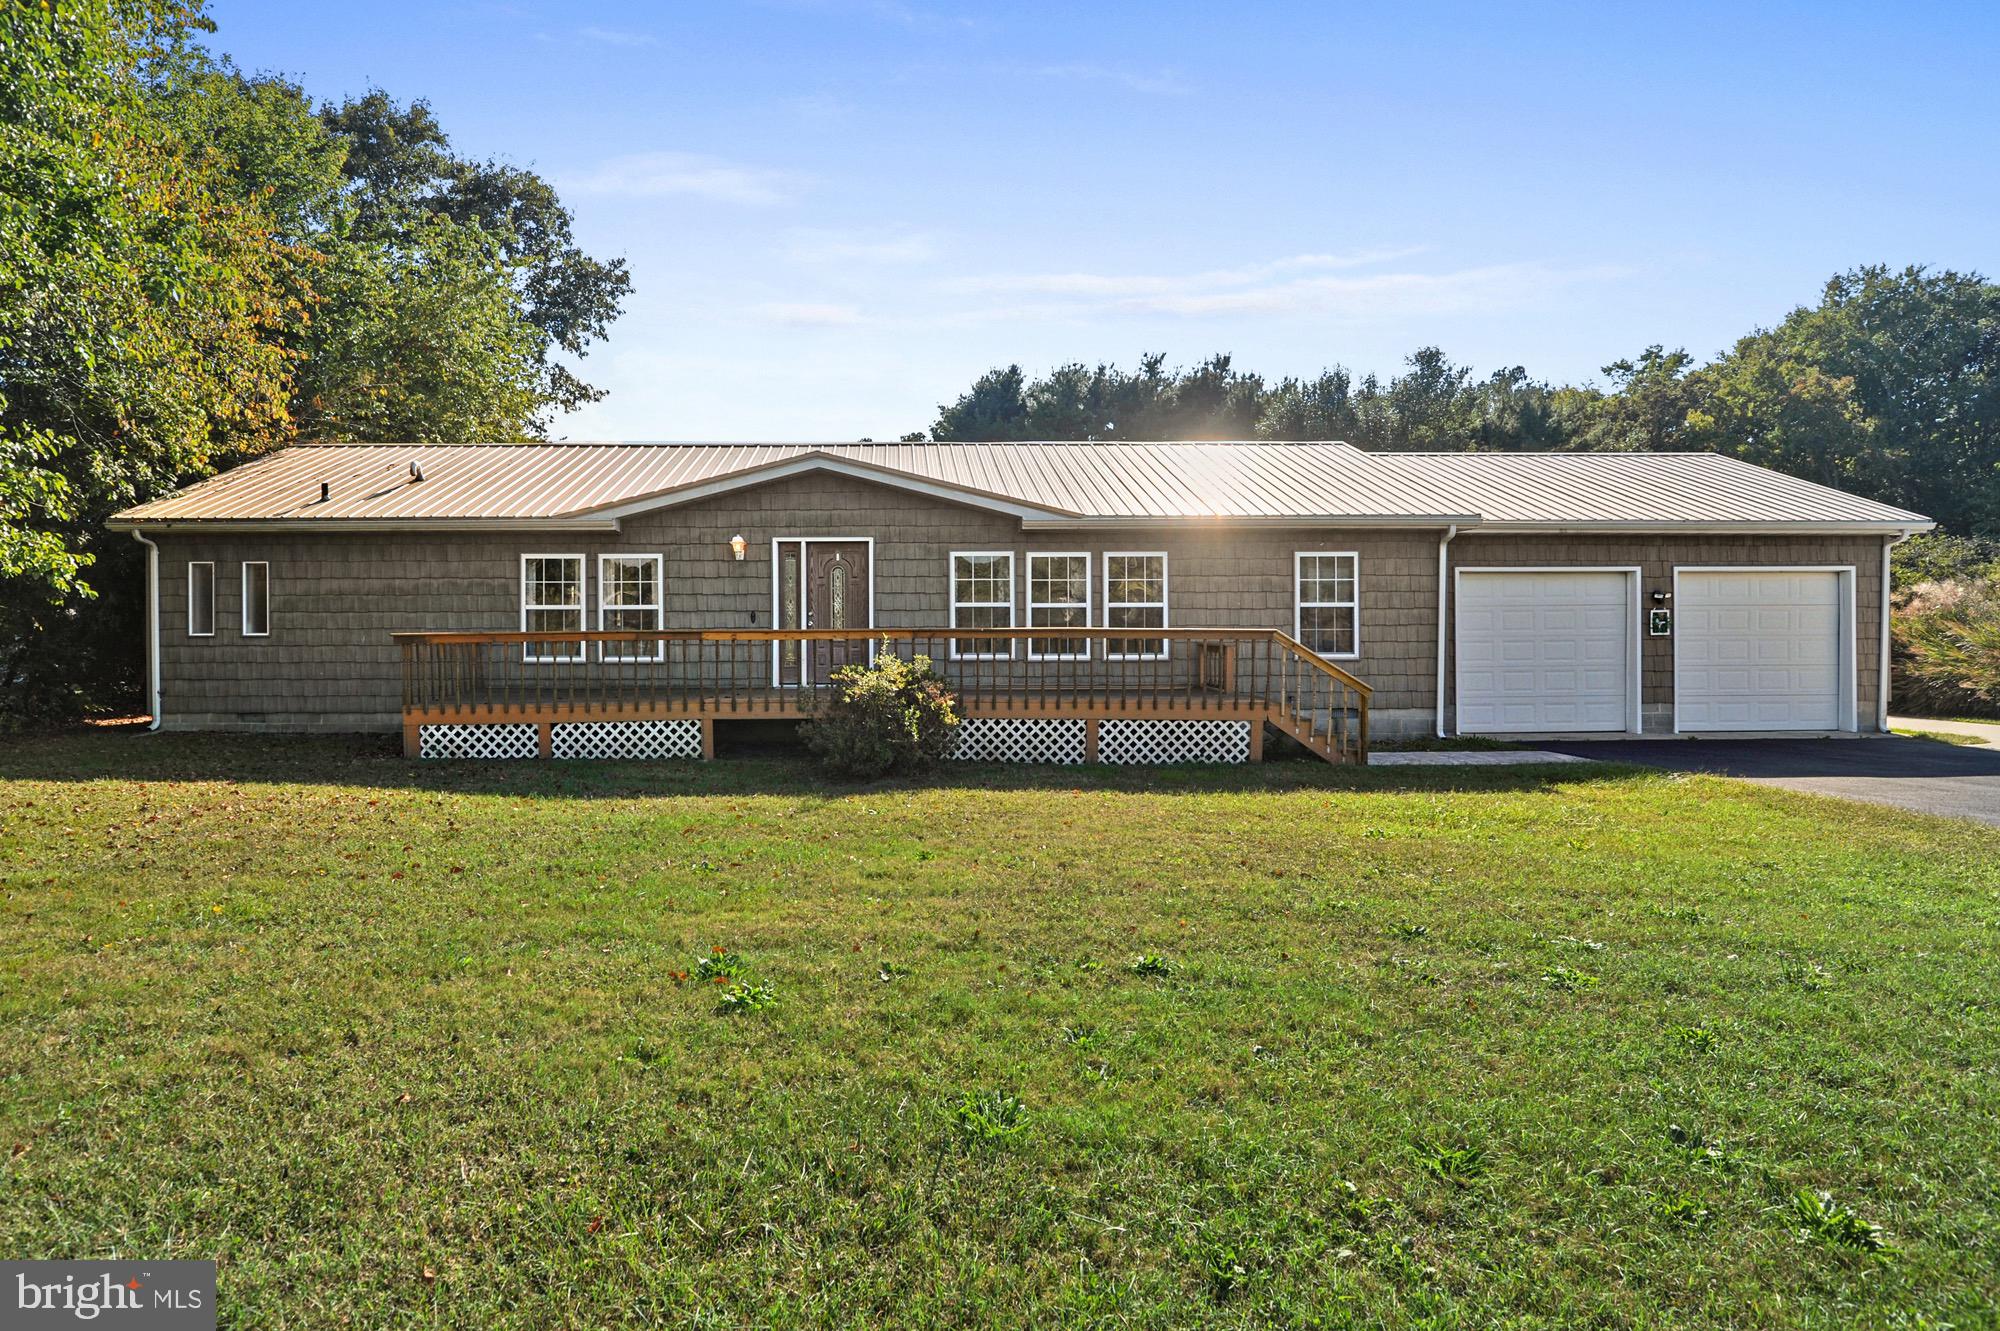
[[838, 212]]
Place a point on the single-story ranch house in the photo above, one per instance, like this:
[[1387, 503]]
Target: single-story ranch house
[[1122, 602]]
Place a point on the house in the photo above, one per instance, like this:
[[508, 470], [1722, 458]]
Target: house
[[1155, 600]]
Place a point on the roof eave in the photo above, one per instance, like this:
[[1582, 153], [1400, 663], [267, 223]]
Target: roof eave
[[1742, 527], [345, 525]]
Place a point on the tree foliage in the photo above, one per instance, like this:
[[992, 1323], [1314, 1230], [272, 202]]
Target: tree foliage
[[1886, 387], [197, 266]]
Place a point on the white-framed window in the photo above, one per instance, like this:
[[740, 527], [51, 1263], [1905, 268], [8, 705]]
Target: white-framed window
[[982, 597], [201, 599], [256, 599], [631, 597], [1135, 597], [1326, 613], [1058, 597], [552, 602]]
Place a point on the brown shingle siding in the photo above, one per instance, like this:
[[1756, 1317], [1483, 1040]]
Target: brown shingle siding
[[330, 664]]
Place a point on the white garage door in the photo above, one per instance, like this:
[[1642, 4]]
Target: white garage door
[[1758, 650], [1544, 651]]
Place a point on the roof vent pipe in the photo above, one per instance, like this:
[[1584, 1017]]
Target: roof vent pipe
[[325, 491], [416, 470]]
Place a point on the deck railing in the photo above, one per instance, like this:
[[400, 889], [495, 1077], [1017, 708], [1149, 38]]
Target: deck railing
[[1250, 674]]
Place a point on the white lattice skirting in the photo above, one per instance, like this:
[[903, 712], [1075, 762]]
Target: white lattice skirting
[[1173, 741], [509, 740], [625, 739], [1010, 739]]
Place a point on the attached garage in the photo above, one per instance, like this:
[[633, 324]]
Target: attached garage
[[1764, 649], [1547, 650]]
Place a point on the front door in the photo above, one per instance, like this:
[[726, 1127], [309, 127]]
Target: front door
[[822, 585]]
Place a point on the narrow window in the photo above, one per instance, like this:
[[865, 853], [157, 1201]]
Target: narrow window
[[630, 599], [1328, 605], [552, 602], [982, 597], [1135, 597], [1058, 597], [256, 599], [201, 600]]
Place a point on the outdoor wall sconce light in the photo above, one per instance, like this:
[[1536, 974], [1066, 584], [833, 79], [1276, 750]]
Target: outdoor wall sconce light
[[738, 546]]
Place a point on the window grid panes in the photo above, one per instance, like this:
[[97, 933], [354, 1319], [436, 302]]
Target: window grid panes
[[1059, 597], [630, 600], [982, 597], [1135, 597], [201, 600], [1328, 603], [552, 602], [256, 599]]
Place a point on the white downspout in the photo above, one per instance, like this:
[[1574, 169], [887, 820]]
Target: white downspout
[[1882, 686], [152, 623], [1449, 532]]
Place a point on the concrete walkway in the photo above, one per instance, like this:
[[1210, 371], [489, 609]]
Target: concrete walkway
[[1468, 757], [1988, 731]]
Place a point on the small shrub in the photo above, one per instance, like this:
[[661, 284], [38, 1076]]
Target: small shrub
[[1684, 1212], [1823, 1219], [989, 1117], [1151, 965], [891, 715], [1694, 1039], [745, 996], [1460, 1166], [1569, 980], [720, 964]]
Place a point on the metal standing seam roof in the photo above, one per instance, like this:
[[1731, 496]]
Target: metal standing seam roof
[[464, 484]]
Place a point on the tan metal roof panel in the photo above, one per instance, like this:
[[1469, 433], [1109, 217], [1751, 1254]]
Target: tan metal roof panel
[[1062, 481]]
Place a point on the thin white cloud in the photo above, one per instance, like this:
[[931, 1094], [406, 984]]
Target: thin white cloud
[[1140, 285], [1306, 284], [1158, 83], [817, 246], [805, 314], [617, 36], [656, 174]]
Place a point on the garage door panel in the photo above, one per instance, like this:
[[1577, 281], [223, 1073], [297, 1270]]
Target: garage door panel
[[1760, 650], [1544, 651]]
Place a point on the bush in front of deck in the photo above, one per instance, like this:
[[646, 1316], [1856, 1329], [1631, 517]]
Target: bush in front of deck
[[891, 715]]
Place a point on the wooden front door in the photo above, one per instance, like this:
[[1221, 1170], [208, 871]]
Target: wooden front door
[[822, 585]]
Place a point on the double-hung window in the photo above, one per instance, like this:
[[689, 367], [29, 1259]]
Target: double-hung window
[[256, 600], [201, 599], [552, 602], [1058, 597], [630, 598], [1135, 597], [982, 597], [1327, 614]]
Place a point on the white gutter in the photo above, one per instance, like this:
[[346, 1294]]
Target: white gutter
[[152, 624], [1882, 687], [1448, 534]]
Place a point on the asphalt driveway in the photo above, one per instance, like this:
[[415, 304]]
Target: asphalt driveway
[[1923, 775]]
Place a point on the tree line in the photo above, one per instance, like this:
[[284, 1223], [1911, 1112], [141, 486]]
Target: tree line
[[198, 265], [1888, 387]]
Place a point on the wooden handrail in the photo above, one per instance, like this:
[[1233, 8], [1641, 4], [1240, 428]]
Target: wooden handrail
[[1233, 673], [1324, 666]]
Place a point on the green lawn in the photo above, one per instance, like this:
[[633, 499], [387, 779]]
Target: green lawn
[[410, 1044]]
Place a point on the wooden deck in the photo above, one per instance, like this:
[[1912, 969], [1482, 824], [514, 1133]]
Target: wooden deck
[[1258, 676]]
